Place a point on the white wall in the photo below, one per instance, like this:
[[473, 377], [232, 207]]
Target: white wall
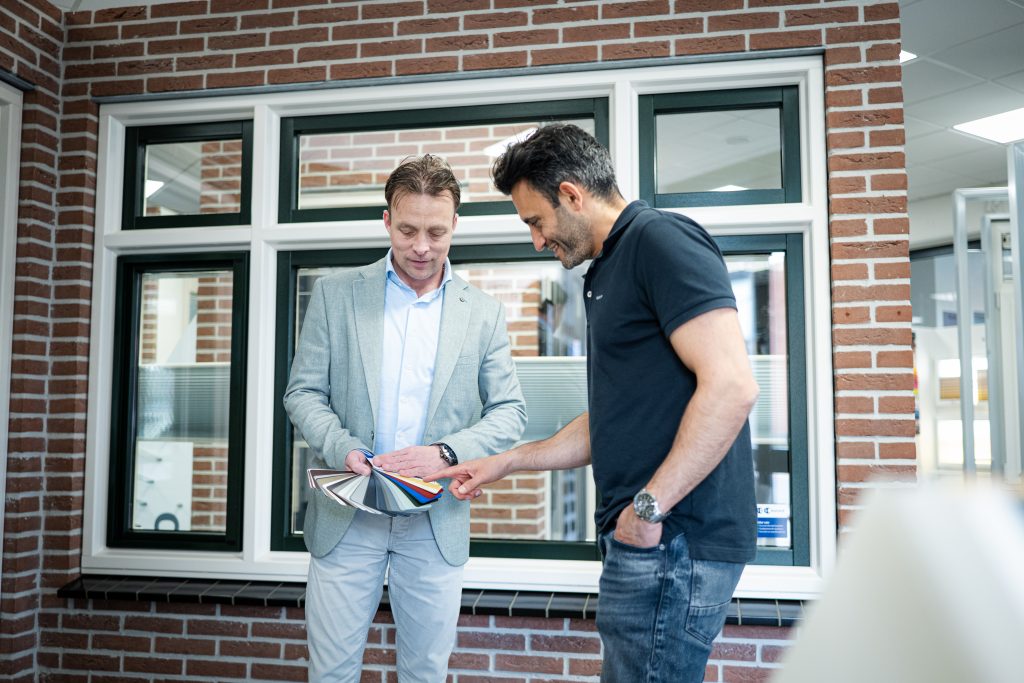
[[931, 220]]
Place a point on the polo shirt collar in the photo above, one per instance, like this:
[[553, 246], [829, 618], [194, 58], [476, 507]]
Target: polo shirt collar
[[620, 225]]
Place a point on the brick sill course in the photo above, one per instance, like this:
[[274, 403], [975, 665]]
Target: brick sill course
[[742, 612]]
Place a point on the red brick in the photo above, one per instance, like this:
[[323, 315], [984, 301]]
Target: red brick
[[178, 9], [668, 27], [887, 138], [896, 404], [521, 38], [865, 161], [846, 185], [882, 12], [855, 449], [851, 315], [119, 15], [842, 55], [426, 65], [895, 181], [734, 651], [471, 22], [636, 50], [569, 644], [235, 79], [306, 74], [848, 227], [558, 15], [860, 473], [843, 98], [237, 41], [864, 117], [456, 43], [391, 47], [885, 204], [892, 226], [278, 672], [530, 663], [245, 60], [326, 53], [854, 404], [883, 52], [250, 649], [491, 641], [866, 250], [363, 30], [363, 69], [890, 336], [862, 34], [683, 6], [700, 46], [264, 20], [892, 314], [902, 450], [779, 40], [238, 6], [443, 6], [432, 25], [376, 10], [742, 21], [604, 31], [213, 668], [163, 47], [637, 8]]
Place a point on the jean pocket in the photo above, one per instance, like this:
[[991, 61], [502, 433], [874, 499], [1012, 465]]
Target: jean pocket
[[711, 592], [616, 543]]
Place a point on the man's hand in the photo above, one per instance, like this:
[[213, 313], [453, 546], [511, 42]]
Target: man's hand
[[412, 461], [355, 461], [468, 477], [632, 530]]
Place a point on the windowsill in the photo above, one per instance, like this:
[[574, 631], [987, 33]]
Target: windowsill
[[552, 605]]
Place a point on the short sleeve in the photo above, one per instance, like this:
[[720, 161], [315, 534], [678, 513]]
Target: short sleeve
[[682, 273]]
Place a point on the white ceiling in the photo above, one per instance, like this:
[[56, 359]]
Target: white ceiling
[[970, 64]]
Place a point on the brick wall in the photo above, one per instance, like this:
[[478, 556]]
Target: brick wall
[[45, 449], [222, 43], [131, 641]]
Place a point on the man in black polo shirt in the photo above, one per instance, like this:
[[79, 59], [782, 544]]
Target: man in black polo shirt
[[670, 389]]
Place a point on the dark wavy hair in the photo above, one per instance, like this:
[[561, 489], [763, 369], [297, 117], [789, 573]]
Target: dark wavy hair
[[429, 174], [554, 154]]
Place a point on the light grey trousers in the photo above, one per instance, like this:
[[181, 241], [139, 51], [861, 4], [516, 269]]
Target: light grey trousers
[[344, 589]]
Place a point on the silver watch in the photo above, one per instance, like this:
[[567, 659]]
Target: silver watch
[[447, 454], [646, 507]]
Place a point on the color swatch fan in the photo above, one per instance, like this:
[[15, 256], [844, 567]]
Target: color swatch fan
[[382, 492]]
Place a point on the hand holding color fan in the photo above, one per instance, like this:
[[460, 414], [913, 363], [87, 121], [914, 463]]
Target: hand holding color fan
[[381, 493]]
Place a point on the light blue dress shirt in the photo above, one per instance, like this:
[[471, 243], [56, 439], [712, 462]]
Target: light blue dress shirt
[[411, 328]]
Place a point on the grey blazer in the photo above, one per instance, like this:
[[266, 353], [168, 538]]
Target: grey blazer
[[475, 404]]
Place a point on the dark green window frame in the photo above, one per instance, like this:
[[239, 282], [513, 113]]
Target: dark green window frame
[[294, 127], [123, 422], [137, 138], [784, 98], [792, 244]]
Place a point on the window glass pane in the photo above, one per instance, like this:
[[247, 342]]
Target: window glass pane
[[759, 283], [184, 362], [346, 169], [935, 323], [547, 330], [738, 149], [188, 178]]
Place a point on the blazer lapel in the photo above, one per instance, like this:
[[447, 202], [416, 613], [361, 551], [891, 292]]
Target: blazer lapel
[[368, 300], [455, 313]]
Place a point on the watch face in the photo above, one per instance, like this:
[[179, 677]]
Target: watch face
[[644, 505]]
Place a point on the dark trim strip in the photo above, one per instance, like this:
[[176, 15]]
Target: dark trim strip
[[546, 604], [463, 76], [16, 81]]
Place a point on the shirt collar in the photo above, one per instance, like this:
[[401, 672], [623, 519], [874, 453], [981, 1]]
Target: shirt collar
[[394, 278], [620, 225]]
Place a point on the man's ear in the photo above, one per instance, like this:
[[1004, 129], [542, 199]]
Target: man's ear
[[387, 220], [573, 193]]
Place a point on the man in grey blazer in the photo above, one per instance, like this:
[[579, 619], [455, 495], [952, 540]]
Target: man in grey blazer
[[404, 360]]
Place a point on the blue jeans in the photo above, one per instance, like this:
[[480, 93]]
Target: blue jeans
[[660, 610]]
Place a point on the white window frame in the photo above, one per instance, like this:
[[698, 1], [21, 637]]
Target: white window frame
[[264, 238], [10, 152]]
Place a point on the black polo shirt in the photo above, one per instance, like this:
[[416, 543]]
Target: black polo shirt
[[656, 271]]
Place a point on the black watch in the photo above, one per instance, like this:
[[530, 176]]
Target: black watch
[[447, 454]]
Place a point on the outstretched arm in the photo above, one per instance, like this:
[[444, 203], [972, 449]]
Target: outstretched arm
[[568, 448]]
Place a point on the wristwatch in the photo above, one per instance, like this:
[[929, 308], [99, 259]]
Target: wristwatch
[[447, 454], [646, 507]]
